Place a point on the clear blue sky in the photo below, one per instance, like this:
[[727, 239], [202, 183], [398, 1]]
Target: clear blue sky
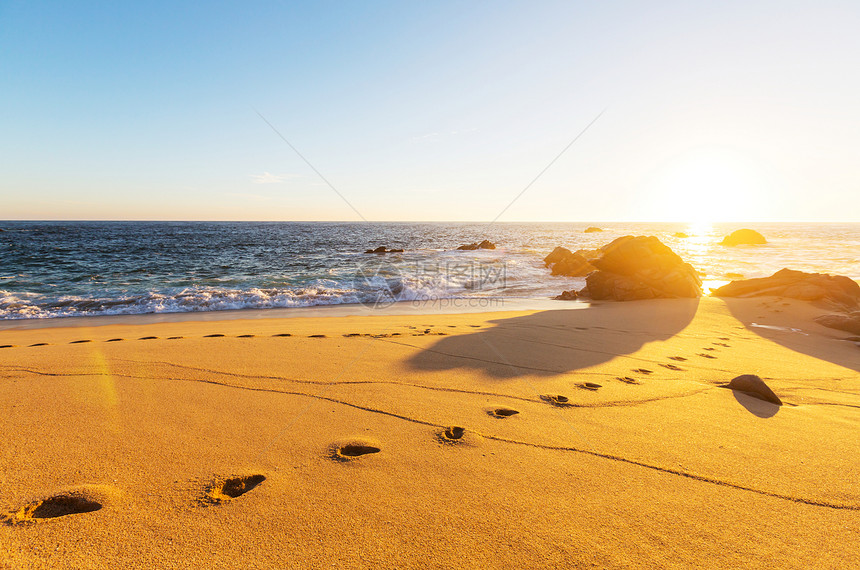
[[430, 110]]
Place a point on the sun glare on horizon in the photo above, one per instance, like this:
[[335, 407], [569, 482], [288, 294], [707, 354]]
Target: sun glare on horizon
[[707, 186]]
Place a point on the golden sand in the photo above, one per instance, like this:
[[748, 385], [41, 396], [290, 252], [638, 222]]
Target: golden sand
[[570, 438]]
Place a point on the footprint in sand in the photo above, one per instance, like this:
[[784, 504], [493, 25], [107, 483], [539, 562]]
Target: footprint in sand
[[347, 451], [217, 335], [453, 434], [148, 338], [591, 386], [352, 334], [703, 355], [114, 339], [282, 334], [627, 380], [709, 348], [227, 489], [53, 507], [10, 346], [502, 412], [245, 336], [316, 336], [671, 366], [556, 399], [643, 371], [678, 358], [175, 337], [80, 341], [721, 344], [37, 344]]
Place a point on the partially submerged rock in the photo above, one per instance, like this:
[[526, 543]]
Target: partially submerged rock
[[797, 285], [849, 323], [754, 386], [641, 267], [680, 235], [486, 244], [570, 263], [383, 249], [744, 237], [567, 296], [592, 229]]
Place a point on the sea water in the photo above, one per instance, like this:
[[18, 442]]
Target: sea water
[[60, 269]]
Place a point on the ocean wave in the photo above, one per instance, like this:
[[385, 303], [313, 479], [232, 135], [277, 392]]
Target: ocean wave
[[194, 299]]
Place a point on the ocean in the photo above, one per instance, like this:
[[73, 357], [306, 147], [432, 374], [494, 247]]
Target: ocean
[[63, 269]]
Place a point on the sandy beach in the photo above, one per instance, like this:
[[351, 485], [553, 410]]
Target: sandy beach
[[591, 438]]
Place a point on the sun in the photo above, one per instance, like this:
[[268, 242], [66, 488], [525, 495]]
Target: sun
[[704, 186]]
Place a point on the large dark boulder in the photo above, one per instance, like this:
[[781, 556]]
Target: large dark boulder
[[744, 237], [486, 244], [797, 285], [570, 263], [640, 267]]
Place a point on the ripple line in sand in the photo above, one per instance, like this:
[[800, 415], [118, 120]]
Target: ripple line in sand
[[677, 472]]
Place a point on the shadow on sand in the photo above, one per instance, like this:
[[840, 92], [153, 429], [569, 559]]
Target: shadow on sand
[[556, 342], [755, 406], [814, 340]]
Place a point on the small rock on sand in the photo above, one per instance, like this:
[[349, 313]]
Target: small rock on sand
[[755, 387]]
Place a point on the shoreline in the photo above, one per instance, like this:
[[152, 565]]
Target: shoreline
[[448, 306]]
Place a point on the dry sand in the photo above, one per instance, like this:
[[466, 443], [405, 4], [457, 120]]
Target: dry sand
[[204, 447]]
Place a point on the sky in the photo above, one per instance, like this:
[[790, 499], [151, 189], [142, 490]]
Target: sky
[[444, 110]]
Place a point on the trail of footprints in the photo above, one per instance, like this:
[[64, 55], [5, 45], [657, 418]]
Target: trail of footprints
[[226, 489], [424, 332]]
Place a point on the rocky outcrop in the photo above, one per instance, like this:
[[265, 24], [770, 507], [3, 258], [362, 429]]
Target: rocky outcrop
[[849, 322], [486, 244], [592, 229], [570, 263], [743, 237], [797, 285], [640, 267], [567, 296], [383, 249], [680, 235], [754, 386]]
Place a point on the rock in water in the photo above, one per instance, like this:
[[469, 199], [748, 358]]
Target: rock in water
[[744, 237], [383, 249], [755, 387], [557, 255], [592, 229], [486, 244], [566, 296], [640, 267], [680, 235], [570, 263], [797, 285]]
